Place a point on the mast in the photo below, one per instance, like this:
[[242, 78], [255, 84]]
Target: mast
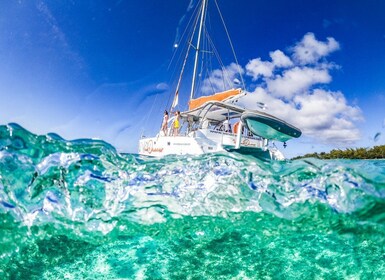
[[197, 50]]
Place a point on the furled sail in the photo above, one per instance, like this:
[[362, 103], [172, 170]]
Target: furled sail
[[176, 100]]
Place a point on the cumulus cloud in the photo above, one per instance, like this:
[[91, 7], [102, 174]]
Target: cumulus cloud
[[297, 80], [279, 59], [293, 85], [257, 68], [309, 50], [220, 80], [326, 115]]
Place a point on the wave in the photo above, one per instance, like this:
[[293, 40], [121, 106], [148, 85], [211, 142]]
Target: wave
[[70, 203], [46, 179]]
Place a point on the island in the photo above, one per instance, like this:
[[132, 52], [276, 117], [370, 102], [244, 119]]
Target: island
[[376, 152]]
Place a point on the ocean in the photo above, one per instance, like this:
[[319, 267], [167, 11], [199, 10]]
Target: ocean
[[80, 210]]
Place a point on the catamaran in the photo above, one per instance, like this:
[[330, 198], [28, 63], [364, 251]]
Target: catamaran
[[216, 123]]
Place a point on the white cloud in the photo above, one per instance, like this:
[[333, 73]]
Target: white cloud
[[257, 68], [325, 115], [290, 91], [310, 50], [280, 59], [296, 80], [220, 80]]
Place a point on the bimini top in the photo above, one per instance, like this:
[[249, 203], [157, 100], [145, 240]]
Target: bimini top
[[220, 96], [215, 111]]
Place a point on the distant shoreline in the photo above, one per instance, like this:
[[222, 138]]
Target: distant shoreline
[[377, 152]]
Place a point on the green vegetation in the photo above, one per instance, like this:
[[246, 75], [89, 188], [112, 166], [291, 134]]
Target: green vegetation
[[359, 153]]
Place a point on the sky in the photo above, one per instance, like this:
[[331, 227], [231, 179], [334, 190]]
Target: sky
[[104, 69]]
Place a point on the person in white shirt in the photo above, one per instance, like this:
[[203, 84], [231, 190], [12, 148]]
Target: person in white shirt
[[164, 123], [226, 125]]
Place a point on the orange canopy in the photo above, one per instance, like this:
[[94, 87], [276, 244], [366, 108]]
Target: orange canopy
[[220, 96]]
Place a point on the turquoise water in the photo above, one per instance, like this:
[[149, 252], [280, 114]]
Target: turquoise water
[[79, 210]]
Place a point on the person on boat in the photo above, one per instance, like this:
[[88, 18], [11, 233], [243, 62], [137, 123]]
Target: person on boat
[[176, 124], [164, 123], [226, 125], [236, 126]]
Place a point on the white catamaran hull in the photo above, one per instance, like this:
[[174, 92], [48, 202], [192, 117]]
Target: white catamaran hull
[[206, 141]]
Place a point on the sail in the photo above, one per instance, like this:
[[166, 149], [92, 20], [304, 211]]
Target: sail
[[194, 103], [176, 100]]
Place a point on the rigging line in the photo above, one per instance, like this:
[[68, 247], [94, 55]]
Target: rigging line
[[210, 58], [184, 33], [181, 52], [185, 59], [215, 51], [205, 59], [211, 84], [191, 28], [198, 46], [231, 44], [186, 48], [204, 55], [173, 75], [225, 74]]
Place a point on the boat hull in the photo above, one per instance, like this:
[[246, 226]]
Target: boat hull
[[205, 141], [169, 145]]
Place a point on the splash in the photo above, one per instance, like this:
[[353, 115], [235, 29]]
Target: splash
[[78, 209]]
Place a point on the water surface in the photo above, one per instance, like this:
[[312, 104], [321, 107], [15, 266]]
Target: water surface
[[78, 210]]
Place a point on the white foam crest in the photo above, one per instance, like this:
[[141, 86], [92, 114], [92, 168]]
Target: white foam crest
[[57, 159]]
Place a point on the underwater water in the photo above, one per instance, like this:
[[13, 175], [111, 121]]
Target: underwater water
[[79, 210]]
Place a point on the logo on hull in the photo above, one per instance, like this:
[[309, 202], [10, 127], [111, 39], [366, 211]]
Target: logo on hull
[[148, 147]]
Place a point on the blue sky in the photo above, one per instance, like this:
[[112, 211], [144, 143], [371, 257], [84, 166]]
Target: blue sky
[[100, 69]]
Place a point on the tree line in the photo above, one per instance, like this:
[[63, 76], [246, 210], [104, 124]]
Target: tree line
[[377, 152]]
